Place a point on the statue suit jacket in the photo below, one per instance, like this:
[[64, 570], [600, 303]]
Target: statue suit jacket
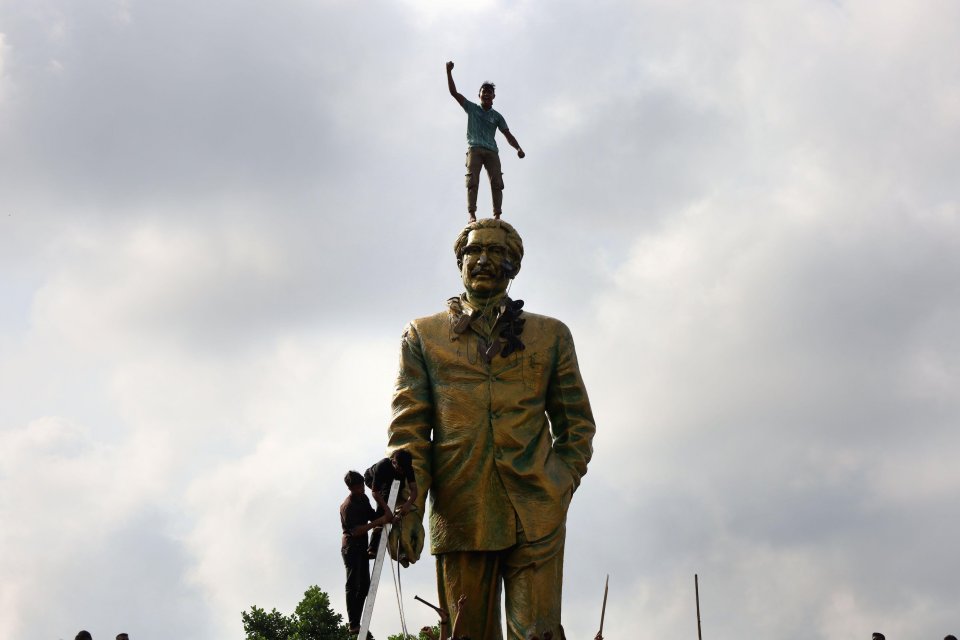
[[496, 445]]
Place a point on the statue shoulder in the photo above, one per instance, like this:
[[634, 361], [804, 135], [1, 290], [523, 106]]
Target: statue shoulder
[[546, 324], [428, 325]]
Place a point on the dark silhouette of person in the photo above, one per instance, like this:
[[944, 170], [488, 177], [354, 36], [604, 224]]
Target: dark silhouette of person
[[122, 636], [84, 635], [380, 477], [355, 516], [950, 637], [879, 636]]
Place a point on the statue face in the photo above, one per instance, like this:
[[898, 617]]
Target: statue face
[[482, 269]]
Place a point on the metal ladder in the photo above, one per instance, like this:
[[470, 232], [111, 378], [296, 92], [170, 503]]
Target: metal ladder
[[378, 566]]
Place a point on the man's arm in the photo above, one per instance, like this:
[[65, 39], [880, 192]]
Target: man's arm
[[453, 87], [382, 503], [461, 602], [371, 523], [361, 529], [568, 408], [444, 624], [513, 143]]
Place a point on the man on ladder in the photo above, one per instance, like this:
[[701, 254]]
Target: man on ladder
[[357, 517], [386, 479], [379, 477]]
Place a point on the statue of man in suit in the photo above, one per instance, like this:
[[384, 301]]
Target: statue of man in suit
[[490, 402]]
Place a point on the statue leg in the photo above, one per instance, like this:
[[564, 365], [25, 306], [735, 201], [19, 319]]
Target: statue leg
[[533, 579], [475, 574], [474, 163]]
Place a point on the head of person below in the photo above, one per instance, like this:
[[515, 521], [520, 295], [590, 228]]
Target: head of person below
[[490, 403]]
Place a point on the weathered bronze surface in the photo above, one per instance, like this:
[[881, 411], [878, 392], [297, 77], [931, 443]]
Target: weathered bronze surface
[[490, 402]]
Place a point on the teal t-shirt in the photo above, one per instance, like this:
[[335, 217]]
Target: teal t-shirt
[[482, 125]]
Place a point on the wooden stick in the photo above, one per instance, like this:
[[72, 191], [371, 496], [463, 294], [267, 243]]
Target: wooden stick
[[435, 608], [444, 626], [696, 590]]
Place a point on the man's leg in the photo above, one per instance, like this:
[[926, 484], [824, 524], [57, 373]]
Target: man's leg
[[375, 534], [358, 582], [532, 576], [491, 163], [474, 162], [475, 574]]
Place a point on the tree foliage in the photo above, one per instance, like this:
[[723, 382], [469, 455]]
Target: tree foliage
[[313, 619]]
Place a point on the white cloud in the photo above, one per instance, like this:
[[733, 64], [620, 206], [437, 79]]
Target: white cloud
[[4, 81], [157, 280], [429, 14]]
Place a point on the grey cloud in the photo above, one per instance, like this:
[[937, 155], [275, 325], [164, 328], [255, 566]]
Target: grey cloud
[[123, 580], [182, 101]]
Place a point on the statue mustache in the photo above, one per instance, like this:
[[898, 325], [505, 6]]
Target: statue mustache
[[508, 269]]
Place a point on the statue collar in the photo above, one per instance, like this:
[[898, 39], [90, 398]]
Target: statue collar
[[503, 317]]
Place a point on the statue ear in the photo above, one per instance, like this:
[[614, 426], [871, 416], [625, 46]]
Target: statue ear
[[509, 269]]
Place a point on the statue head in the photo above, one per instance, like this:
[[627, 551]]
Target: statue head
[[489, 253]]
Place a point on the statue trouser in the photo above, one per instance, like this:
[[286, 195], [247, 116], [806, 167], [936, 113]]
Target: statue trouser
[[477, 158], [358, 580], [530, 572]]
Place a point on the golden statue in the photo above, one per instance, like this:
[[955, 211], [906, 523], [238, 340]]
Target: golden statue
[[490, 402]]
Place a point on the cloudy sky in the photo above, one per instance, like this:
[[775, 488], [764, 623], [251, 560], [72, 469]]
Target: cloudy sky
[[216, 218]]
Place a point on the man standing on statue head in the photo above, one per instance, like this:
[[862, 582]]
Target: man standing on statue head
[[482, 152]]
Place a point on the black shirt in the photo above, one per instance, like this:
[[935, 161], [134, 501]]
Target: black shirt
[[380, 477], [355, 511]]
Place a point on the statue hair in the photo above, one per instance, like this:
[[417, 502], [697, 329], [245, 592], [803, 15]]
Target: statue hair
[[514, 241]]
